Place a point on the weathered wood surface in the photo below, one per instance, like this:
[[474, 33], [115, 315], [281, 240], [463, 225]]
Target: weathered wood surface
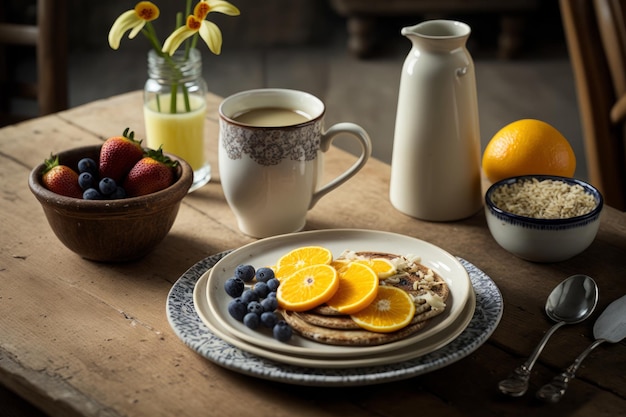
[[79, 338]]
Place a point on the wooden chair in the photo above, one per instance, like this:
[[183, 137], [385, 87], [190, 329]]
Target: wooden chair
[[362, 16], [49, 38], [596, 36]]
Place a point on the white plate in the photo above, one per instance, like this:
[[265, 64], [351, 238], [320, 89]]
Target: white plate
[[267, 251], [407, 352], [188, 326]]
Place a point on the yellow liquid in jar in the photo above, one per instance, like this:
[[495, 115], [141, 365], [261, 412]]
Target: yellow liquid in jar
[[181, 134]]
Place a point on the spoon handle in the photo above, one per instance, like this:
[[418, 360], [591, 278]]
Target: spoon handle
[[516, 384], [554, 390]]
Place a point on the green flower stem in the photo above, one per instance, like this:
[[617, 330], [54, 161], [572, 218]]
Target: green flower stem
[[150, 34], [187, 44]]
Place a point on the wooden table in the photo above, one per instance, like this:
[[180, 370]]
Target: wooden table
[[79, 338]]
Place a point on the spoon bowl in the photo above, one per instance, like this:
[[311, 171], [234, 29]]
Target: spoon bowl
[[570, 302], [573, 300]]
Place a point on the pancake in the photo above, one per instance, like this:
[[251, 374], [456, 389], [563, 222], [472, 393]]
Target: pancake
[[326, 325], [351, 337]]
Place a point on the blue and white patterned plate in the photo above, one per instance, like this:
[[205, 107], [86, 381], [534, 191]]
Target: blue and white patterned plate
[[188, 326]]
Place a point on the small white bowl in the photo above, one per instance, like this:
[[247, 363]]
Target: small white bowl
[[543, 240]]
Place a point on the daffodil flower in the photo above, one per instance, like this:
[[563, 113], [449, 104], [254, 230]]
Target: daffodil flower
[[197, 23], [133, 20]]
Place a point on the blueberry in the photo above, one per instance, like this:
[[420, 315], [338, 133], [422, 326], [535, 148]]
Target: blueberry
[[272, 294], [273, 284], [88, 165], [269, 319], [269, 304], [107, 186], [118, 194], [248, 295], [237, 309], [245, 272], [92, 194], [282, 331], [85, 180], [251, 320], [255, 307], [261, 289], [264, 274], [234, 287]]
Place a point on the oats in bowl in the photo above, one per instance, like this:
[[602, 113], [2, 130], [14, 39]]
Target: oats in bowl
[[543, 218], [547, 199]]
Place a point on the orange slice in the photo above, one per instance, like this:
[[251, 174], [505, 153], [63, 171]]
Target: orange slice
[[391, 310], [308, 287], [383, 267], [358, 286], [300, 258]]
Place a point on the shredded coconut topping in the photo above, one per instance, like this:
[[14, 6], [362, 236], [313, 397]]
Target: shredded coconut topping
[[409, 264]]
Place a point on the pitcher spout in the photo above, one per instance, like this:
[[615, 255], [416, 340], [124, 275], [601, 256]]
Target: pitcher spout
[[437, 29]]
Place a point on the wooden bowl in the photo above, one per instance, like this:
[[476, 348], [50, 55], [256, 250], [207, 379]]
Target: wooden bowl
[[111, 230]]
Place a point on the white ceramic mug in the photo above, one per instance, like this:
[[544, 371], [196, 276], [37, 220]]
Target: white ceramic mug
[[271, 174]]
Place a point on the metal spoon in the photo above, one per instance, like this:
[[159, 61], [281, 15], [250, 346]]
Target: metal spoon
[[610, 327], [572, 301]]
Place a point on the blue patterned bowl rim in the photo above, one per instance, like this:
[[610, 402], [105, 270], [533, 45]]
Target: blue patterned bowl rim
[[516, 219]]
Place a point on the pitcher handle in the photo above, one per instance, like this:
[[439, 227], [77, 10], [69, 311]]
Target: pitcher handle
[[327, 138]]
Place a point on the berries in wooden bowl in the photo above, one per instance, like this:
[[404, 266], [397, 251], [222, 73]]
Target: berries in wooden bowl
[[111, 229]]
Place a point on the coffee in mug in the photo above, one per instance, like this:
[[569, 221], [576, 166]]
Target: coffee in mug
[[272, 116], [271, 149]]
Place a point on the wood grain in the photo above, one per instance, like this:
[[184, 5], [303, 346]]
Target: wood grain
[[79, 338]]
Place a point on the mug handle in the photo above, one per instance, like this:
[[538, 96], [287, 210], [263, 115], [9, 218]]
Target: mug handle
[[362, 137]]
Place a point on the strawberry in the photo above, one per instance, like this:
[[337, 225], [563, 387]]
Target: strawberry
[[118, 155], [153, 172], [60, 179]]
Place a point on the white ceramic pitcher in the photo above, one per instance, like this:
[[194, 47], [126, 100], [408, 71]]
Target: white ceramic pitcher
[[435, 168]]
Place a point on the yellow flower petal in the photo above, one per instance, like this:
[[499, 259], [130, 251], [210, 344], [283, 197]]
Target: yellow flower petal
[[135, 31], [222, 6], [177, 37], [133, 20], [212, 36], [123, 23]]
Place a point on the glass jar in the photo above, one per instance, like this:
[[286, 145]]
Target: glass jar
[[175, 109]]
